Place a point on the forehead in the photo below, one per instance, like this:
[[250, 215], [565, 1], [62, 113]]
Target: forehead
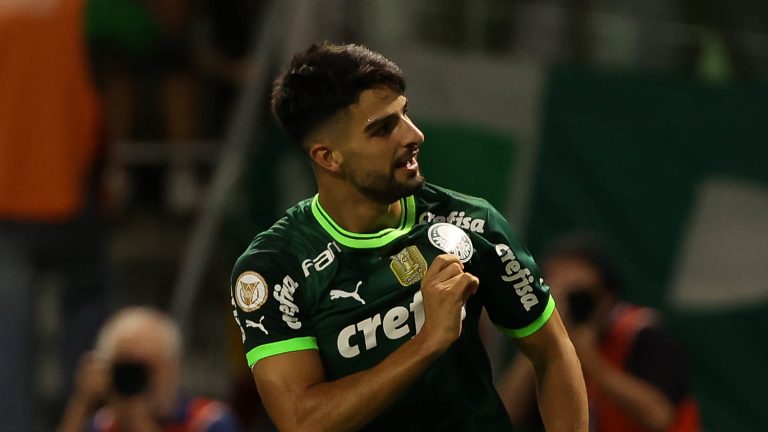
[[375, 103], [142, 341]]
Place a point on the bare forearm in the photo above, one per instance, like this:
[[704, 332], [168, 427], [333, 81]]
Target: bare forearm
[[352, 401], [293, 385], [562, 394], [641, 400], [517, 389]]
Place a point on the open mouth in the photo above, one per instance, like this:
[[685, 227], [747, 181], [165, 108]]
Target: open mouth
[[410, 163]]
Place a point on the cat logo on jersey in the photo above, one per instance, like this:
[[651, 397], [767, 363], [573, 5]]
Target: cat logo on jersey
[[452, 239], [251, 291], [409, 266]]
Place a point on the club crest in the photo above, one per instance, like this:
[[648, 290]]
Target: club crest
[[451, 239], [409, 266], [251, 291]]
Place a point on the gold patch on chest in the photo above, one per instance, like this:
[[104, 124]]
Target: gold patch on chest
[[409, 266]]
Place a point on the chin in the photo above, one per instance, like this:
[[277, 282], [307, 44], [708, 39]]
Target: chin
[[394, 190], [418, 182], [411, 186]]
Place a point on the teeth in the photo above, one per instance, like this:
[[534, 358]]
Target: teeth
[[408, 163]]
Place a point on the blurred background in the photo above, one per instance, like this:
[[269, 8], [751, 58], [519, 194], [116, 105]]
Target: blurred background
[[641, 120]]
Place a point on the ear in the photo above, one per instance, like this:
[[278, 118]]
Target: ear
[[325, 157]]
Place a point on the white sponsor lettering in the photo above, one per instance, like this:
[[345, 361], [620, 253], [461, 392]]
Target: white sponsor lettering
[[322, 261], [456, 218], [284, 295], [394, 324], [517, 274]]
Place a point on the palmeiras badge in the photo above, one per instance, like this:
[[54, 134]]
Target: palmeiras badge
[[251, 291], [409, 266], [451, 239]]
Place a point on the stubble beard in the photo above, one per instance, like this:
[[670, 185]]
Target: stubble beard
[[386, 189]]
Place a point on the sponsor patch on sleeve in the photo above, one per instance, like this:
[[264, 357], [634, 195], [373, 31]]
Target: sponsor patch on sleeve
[[251, 291]]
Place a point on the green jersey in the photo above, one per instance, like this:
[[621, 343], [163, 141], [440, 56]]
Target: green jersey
[[306, 283]]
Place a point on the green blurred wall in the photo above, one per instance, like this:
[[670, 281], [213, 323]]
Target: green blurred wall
[[623, 155]]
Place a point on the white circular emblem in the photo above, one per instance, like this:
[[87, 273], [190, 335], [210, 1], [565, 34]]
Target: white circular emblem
[[451, 239], [251, 291]]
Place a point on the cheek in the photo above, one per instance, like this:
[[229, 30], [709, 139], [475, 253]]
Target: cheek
[[365, 163]]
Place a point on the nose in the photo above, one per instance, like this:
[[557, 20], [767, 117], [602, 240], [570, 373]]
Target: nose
[[414, 134]]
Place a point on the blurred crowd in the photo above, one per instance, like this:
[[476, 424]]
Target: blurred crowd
[[78, 80], [638, 376]]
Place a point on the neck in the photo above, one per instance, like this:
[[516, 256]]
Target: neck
[[355, 212]]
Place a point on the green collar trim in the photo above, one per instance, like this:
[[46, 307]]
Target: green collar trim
[[367, 241]]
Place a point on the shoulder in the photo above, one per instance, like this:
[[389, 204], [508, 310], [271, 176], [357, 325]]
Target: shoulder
[[438, 204], [432, 193], [285, 243], [656, 337]]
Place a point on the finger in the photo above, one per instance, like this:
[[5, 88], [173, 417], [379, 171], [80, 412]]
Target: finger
[[465, 284], [462, 285], [449, 272], [440, 262]]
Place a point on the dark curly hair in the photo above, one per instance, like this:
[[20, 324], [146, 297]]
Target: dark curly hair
[[325, 79]]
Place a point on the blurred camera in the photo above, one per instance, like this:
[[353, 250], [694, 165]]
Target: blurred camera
[[130, 378], [581, 305]]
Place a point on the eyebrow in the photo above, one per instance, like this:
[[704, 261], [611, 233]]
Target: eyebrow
[[383, 120]]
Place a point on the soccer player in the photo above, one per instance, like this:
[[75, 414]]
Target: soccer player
[[359, 309]]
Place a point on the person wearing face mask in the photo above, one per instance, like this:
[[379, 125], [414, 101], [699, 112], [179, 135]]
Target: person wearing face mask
[[134, 374], [637, 375]]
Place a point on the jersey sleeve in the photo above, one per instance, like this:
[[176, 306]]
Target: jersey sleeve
[[266, 296], [513, 293]]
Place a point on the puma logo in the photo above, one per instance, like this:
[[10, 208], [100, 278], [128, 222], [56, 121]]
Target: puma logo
[[335, 294], [259, 325]]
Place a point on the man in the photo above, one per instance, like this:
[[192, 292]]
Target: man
[[638, 377], [345, 324], [136, 369]]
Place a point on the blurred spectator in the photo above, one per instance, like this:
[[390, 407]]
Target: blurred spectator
[[133, 40], [638, 377], [48, 226], [135, 371]]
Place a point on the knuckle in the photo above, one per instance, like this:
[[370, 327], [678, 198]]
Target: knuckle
[[455, 266]]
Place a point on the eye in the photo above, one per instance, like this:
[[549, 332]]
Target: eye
[[385, 129]]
